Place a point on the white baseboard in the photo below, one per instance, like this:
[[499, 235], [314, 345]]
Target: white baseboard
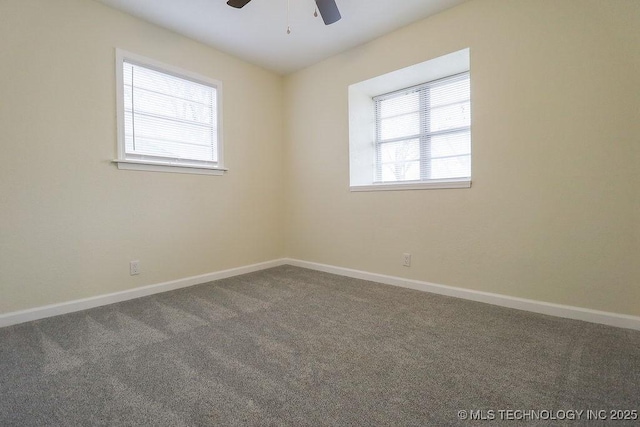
[[558, 310], [22, 316]]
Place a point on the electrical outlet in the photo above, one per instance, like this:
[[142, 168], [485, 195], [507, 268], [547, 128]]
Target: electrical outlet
[[406, 260], [134, 268]]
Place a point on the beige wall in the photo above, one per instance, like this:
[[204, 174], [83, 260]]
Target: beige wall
[[70, 220], [554, 211]]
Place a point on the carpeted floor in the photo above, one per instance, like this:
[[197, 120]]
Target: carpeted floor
[[290, 346]]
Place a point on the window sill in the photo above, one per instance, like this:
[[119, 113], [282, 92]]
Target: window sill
[[432, 185], [164, 167]]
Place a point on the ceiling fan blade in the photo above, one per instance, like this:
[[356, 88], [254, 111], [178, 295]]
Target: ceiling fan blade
[[329, 11], [238, 4]]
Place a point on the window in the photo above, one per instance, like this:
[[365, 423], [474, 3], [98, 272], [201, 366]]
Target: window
[[169, 120], [411, 128], [424, 133]]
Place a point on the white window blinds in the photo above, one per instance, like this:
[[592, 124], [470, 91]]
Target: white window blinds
[[168, 119], [423, 133]]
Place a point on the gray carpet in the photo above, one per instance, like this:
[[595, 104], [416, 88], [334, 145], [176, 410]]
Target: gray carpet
[[290, 346]]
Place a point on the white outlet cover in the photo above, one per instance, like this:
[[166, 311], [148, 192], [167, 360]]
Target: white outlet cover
[[134, 268], [406, 259]]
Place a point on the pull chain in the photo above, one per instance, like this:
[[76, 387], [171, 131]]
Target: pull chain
[[315, 14], [288, 7]]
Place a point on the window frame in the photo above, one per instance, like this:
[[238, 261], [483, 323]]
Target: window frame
[[155, 165], [361, 107], [425, 134]]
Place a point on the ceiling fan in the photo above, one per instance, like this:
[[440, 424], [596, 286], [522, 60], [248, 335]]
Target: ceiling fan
[[328, 9]]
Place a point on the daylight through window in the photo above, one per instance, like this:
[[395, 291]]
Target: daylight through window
[[424, 132], [167, 118]]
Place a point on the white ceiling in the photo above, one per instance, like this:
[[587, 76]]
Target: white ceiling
[[257, 32]]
